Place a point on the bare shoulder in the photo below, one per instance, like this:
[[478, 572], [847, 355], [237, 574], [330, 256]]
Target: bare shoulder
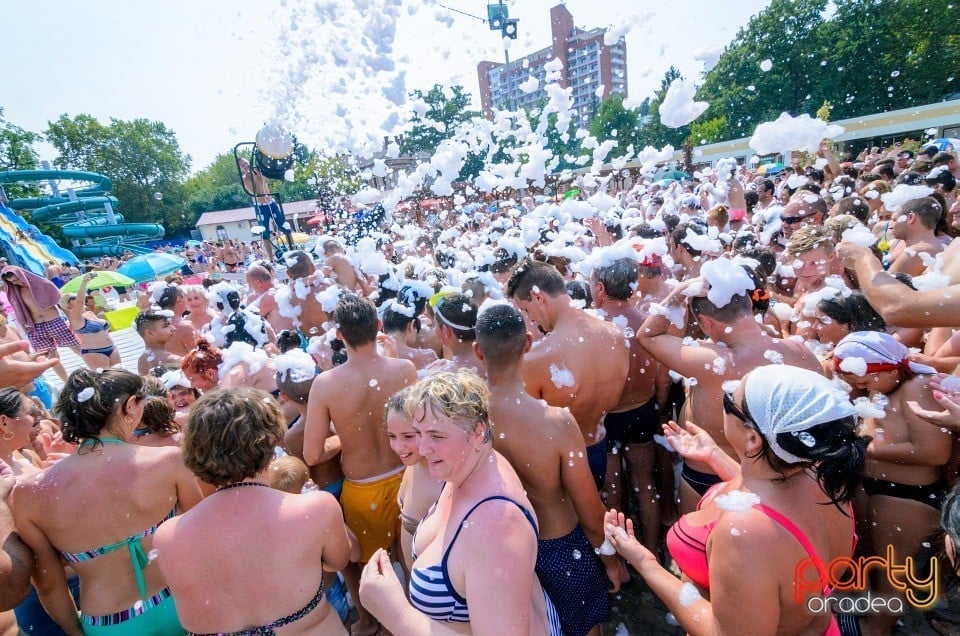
[[498, 521]]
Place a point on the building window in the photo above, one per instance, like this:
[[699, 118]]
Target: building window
[[221, 233]]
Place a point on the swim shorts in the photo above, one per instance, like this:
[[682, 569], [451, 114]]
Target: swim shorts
[[699, 481], [597, 459], [47, 336], [636, 426], [930, 495], [371, 511], [267, 212], [334, 488], [573, 577]]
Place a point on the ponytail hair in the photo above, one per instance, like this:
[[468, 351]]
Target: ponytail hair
[[89, 400], [837, 454]]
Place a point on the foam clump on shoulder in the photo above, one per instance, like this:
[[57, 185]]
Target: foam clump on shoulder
[[737, 501]]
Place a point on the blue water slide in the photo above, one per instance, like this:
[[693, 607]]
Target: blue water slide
[[26, 246], [86, 214]]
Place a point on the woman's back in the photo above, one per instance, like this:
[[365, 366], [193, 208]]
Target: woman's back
[[770, 531], [100, 497], [248, 556]]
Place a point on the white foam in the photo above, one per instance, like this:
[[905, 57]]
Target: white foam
[[561, 376], [737, 501], [854, 365]]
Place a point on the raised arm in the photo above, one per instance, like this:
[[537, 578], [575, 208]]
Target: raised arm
[[898, 304], [48, 574]]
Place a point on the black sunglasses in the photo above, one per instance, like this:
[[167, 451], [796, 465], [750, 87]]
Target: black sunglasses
[[730, 407], [793, 220]]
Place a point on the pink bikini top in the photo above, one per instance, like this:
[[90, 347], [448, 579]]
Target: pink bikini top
[[687, 545]]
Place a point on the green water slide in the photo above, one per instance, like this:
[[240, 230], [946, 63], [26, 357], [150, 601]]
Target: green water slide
[[85, 211]]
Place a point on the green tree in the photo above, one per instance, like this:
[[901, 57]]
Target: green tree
[[17, 153], [141, 157], [868, 56], [707, 131], [738, 89], [446, 113], [563, 144], [886, 55], [443, 116], [613, 121]]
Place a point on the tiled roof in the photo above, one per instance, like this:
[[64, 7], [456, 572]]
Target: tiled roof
[[305, 209]]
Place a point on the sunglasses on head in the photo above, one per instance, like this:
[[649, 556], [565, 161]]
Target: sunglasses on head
[[793, 220], [8, 275], [731, 408]]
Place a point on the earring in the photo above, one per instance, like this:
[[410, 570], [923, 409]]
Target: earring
[[7, 436]]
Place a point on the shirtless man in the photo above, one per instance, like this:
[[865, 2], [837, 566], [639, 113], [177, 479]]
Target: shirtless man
[[545, 447], [264, 205], [581, 363], [633, 422], [228, 255], [156, 331], [337, 266], [34, 300], [914, 224], [174, 299], [298, 300], [262, 297], [372, 472], [746, 346]]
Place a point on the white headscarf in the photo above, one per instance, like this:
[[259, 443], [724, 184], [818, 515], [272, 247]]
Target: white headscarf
[[874, 348], [785, 399]]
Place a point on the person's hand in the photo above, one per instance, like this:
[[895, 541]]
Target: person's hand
[[619, 532], [386, 345], [52, 458], [691, 443], [20, 372], [380, 590], [850, 253], [691, 287], [55, 444], [616, 571], [947, 397]]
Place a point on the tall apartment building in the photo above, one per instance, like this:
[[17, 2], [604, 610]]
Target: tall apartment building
[[588, 63]]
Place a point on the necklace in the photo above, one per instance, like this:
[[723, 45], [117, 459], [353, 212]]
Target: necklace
[[241, 484]]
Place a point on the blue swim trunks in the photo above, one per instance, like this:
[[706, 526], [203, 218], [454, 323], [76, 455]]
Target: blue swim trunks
[[573, 577]]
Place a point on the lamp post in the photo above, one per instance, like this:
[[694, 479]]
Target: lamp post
[[498, 19]]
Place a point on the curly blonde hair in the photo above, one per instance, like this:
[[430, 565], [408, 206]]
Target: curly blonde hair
[[461, 396]]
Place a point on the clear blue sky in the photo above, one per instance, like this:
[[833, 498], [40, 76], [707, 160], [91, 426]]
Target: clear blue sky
[[211, 70]]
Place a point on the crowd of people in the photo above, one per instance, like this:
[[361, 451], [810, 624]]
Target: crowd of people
[[718, 388]]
